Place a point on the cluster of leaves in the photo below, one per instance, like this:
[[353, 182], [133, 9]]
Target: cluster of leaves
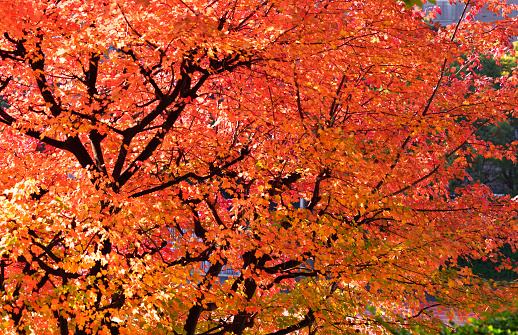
[[505, 323], [499, 266], [502, 323], [149, 146], [499, 174], [412, 3]]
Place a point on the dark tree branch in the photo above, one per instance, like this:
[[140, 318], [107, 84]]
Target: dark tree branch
[[37, 63], [434, 170], [150, 148], [4, 83], [283, 267], [445, 62], [144, 71], [308, 320], [56, 272], [18, 53], [182, 91], [91, 75], [191, 175], [292, 275], [279, 183], [75, 146], [195, 312], [95, 139], [315, 199], [334, 104]]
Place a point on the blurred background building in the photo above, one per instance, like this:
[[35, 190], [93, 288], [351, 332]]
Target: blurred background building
[[451, 13]]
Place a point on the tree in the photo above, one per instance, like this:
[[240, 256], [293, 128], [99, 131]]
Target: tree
[[148, 146]]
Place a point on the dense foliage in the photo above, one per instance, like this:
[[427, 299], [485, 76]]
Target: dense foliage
[[503, 323], [148, 147], [499, 174]]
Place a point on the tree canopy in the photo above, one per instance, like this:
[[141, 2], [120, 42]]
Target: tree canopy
[[147, 147]]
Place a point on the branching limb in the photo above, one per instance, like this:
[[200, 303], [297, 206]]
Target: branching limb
[[308, 320]]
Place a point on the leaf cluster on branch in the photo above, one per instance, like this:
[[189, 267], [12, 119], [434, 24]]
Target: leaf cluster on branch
[[149, 147]]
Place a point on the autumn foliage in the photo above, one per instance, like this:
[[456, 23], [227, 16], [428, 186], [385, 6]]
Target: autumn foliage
[[147, 147]]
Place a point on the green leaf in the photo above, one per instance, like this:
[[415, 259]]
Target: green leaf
[[411, 3]]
